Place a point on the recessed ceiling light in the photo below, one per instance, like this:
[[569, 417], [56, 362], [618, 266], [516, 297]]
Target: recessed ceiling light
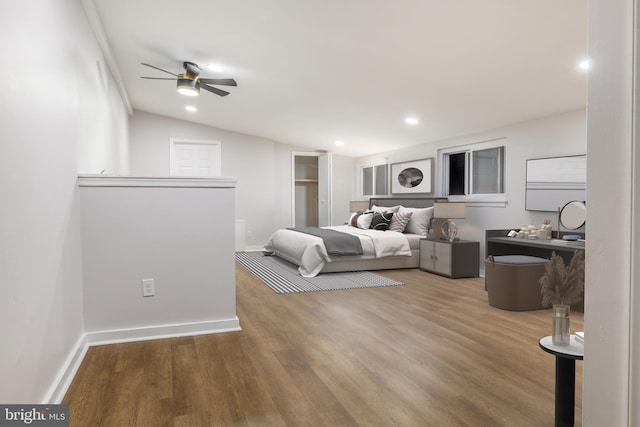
[[339, 143], [191, 108], [584, 64], [215, 68], [411, 121]]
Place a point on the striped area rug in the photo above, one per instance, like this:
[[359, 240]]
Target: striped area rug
[[283, 277]]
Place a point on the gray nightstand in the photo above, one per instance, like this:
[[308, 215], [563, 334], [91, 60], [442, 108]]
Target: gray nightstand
[[460, 258]]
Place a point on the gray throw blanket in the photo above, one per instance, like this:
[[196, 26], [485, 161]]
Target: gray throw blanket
[[335, 242]]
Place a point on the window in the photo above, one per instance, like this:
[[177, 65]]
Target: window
[[194, 157], [487, 167], [367, 180], [474, 170], [375, 180]]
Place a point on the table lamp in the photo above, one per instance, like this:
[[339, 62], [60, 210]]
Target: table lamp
[[443, 213]]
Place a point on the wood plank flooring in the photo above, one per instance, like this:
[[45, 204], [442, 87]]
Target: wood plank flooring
[[430, 353]]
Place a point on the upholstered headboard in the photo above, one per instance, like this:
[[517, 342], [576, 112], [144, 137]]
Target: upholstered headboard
[[409, 202]]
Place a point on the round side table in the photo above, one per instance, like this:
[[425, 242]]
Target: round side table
[[566, 356]]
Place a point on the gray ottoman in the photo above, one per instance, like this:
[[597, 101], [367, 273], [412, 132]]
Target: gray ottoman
[[512, 281]]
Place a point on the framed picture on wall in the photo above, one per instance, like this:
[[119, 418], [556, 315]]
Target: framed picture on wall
[[412, 177]]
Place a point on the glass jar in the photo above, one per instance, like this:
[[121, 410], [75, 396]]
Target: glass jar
[[560, 329], [546, 229]]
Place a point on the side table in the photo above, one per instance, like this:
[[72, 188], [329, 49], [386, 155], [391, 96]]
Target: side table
[[566, 356], [460, 258]]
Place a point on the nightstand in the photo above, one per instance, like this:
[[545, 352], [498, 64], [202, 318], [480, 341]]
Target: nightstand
[[460, 258]]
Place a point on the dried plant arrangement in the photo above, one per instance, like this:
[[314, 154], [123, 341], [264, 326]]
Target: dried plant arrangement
[[560, 284]]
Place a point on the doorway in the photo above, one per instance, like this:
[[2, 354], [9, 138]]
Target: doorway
[[311, 192]]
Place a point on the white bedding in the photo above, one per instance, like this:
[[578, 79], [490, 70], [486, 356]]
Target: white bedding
[[311, 253]]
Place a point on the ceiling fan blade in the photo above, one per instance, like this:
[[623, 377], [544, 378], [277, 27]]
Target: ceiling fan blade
[[214, 90], [159, 78], [159, 69], [223, 82]]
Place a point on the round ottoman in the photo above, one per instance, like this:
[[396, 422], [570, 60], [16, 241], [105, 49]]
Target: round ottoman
[[512, 281]]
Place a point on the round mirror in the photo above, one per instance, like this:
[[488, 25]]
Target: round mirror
[[573, 215]]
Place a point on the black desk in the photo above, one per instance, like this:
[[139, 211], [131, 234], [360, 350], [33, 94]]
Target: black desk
[[498, 244], [566, 357]]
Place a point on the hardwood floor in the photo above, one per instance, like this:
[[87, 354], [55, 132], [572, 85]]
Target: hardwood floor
[[430, 353]]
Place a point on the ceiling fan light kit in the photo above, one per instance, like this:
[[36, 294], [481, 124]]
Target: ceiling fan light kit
[[189, 82], [188, 87]]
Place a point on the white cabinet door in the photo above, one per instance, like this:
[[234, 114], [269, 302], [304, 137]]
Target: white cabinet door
[[435, 257], [442, 258], [427, 255]]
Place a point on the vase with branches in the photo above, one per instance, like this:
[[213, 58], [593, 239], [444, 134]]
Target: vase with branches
[[562, 286]]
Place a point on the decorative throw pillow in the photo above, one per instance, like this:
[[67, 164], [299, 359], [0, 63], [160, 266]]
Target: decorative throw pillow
[[399, 221], [381, 220], [353, 219], [364, 220], [420, 220]]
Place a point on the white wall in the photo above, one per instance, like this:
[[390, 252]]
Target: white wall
[[246, 157], [263, 169], [557, 135], [169, 230], [53, 110], [343, 187], [611, 386]]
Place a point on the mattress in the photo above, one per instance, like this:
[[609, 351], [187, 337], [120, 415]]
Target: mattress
[[381, 250]]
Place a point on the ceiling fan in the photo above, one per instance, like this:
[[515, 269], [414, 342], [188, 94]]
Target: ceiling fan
[[190, 82]]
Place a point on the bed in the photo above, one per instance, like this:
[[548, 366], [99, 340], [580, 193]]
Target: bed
[[381, 250]]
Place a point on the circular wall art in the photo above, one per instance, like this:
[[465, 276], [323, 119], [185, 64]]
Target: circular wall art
[[410, 177]]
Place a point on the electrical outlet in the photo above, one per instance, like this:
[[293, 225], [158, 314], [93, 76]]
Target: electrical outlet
[[148, 288]]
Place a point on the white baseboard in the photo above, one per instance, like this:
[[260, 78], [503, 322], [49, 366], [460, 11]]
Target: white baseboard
[[163, 331], [69, 369]]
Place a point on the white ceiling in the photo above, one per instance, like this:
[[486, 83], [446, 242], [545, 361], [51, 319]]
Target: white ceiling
[[311, 72]]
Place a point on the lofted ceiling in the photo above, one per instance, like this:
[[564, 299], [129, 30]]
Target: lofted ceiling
[[311, 72]]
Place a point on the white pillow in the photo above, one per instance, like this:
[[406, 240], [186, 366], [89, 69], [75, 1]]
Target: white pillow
[[364, 220], [420, 220], [383, 209]]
